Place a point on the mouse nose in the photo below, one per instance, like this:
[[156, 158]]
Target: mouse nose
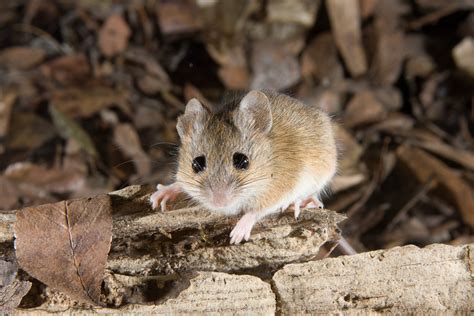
[[221, 196]]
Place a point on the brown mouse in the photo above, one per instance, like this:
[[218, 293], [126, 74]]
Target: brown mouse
[[257, 156]]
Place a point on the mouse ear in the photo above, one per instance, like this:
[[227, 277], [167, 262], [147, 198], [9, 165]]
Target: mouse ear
[[193, 118], [254, 113]]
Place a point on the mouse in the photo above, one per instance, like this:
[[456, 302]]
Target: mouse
[[255, 156]]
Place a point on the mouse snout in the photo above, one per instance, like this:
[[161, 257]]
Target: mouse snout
[[221, 196]]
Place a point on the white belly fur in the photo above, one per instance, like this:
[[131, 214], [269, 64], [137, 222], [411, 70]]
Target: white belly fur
[[307, 185]]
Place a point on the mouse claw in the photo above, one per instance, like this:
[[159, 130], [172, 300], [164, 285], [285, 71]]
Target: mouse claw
[[312, 202], [163, 194], [297, 208]]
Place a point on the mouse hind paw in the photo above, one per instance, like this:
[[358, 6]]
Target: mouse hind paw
[[163, 194], [312, 201]]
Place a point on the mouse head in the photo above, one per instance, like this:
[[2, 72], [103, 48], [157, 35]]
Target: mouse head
[[225, 157]]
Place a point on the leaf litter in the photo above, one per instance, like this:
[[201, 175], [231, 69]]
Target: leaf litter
[[90, 92]]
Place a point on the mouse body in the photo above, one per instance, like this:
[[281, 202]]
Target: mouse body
[[258, 155]]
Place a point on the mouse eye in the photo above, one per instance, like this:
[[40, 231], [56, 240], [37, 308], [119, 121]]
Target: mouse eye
[[199, 164], [240, 161]]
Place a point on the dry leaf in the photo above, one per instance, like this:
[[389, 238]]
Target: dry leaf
[[113, 36], [68, 70], [9, 193], [86, 101], [148, 117], [126, 138], [390, 97], [274, 67], [367, 7], [462, 157], [69, 129], [343, 182], [234, 77], [463, 54], [293, 11], [6, 103], [345, 23], [349, 148], [390, 45], [419, 66], [395, 123], [54, 179], [149, 63], [423, 166], [28, 131], [65, 245], [436, 4], [150, 85], [191, 91], [320, 60], [21, 58], [363, 108], [178, 16]]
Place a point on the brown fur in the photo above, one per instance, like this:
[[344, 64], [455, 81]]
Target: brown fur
[[300, 137]]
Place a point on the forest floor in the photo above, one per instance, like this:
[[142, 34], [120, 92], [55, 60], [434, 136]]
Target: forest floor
[[90, 92]]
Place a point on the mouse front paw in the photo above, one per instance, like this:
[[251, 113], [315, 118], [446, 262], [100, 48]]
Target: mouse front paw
[[243, 228], [163, 194]]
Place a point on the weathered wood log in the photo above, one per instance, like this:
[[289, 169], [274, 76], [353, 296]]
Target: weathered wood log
[[181, 262], [149, 245], [402, 280]]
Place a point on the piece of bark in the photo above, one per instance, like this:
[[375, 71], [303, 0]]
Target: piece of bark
[[345, 23], [145, 241], [11, 295], [195, 239], [65, 244], [214, 292], [423, 166], [200, 293], [402, 280], [8, 271], [154, 244]]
